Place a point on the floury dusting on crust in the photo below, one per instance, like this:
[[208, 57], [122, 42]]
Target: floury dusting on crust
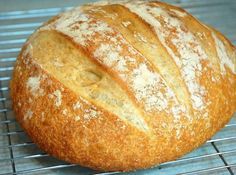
[[33, 84], [144, 82], [73, 21], [120, 56], [190, 52], [112, 50], [28, 115], [89, 113], [223, 56]]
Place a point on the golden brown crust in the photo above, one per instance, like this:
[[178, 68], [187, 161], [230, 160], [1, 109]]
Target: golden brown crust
[[87, 142], [69, 125]]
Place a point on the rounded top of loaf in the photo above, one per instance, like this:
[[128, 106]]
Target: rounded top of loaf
[[134, 81]]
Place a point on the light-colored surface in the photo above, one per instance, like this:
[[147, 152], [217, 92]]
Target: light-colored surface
[[170, 170]]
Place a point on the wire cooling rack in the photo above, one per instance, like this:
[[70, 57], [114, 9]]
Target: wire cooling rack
[[18, 155]]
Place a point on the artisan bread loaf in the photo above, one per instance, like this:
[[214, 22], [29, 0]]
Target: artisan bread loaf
[[124, 85]]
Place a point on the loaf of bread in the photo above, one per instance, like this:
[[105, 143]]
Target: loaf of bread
[[124, 85]]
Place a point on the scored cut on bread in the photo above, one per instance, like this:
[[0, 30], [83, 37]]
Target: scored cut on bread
[[124, 85]]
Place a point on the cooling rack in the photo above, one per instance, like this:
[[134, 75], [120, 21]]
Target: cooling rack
[[18, 155]]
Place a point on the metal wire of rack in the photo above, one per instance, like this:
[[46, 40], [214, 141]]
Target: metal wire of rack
[[18, 155]]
